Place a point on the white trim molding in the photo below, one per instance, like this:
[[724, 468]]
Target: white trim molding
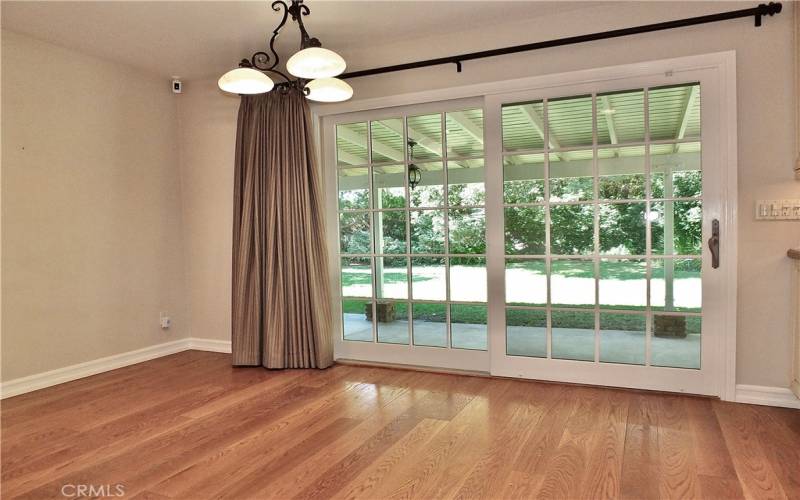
[[73, 372], [750, 394], [210, 345], [766, 396], [717, 74]]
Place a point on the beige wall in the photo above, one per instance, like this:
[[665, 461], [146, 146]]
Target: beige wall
[[765, 107], [91, 243], [207, 139]]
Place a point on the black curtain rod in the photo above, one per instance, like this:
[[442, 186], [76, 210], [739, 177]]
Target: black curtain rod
[[762, 10]]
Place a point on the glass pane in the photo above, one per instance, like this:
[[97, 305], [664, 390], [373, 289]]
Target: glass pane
[[468, 279], [390, 231], [523, 126], [428, 281], [430, 190], [430, 324], [687, 184], [426, 133], [465, 133], [467, 230], [571, 176], [620, 117], [573, 335], [676, 170], [351, 144], [623, 284], [674, 112], [526, 282], [468, 326], [392, 273], [392, 321], [353, 188], [622, 228], [524, 228], [677, 227], [676, 285], [526, 333], [387, 141], [357, 320], [621, 173], [569, 122], [427, 231], [572, 283], [571, 229], [389, 185], [523, 178], [356, 277], [354, 232], [676, 341], [622, 338], [465, 182]]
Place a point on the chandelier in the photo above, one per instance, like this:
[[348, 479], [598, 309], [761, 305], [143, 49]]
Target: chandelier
[[315, 67]]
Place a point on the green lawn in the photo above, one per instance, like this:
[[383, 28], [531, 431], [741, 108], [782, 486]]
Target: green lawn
[[613, 270]]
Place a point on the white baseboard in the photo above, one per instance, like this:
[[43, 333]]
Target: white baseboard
[[766, 396], [752, 394], [68, 373], [210, 345]]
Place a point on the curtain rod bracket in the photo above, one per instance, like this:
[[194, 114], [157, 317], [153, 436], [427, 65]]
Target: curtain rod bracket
[[458, 66], [769, 9]]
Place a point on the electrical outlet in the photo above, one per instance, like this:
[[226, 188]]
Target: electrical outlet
[[165, 321], [778, 210]]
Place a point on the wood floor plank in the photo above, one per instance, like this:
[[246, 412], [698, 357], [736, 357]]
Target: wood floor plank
[[756, 474], [394, 402], [563, 476], [678, 477], [189, 426], [712, 457], [435, 405], [363, 485], [641, 455], [773, 436], [158, 458], [249, 462], [604, 473]]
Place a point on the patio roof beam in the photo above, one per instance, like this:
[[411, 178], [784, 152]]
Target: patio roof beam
[[691, 99], [350, 158], [608, 113], [377, 146], [538, 126]]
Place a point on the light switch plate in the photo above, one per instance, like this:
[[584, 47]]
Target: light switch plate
[[778, 210]]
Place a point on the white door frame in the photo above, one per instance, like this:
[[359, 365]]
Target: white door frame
[[719, 70]]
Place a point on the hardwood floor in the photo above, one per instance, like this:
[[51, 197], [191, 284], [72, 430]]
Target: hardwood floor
[[190, 426]]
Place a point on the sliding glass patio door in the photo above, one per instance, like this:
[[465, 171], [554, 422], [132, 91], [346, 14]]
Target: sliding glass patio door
[[557, 234], [412, 250], [606, 201]]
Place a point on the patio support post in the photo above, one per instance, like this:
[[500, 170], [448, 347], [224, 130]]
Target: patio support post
[[669, 241], [379, 247]]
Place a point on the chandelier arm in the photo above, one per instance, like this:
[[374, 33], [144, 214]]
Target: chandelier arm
[[276, 6], [298, 10]]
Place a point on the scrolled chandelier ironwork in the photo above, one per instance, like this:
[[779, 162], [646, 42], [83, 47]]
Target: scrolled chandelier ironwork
[[314, 67]]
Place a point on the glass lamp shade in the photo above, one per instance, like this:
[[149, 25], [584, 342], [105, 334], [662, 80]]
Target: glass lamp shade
[[245, 81], [315, 62], [329, 90]]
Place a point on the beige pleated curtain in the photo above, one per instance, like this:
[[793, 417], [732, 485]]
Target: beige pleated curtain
[[281, 314]]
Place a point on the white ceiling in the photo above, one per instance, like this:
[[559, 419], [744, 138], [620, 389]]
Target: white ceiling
[[204, 39]]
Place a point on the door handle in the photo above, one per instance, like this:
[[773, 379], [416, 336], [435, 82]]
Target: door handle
[[713, 243]]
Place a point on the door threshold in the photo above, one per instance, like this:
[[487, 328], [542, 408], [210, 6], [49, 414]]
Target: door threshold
[[478, 373]]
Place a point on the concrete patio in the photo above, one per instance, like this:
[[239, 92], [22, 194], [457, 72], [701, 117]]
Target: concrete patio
[[616, 346]]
